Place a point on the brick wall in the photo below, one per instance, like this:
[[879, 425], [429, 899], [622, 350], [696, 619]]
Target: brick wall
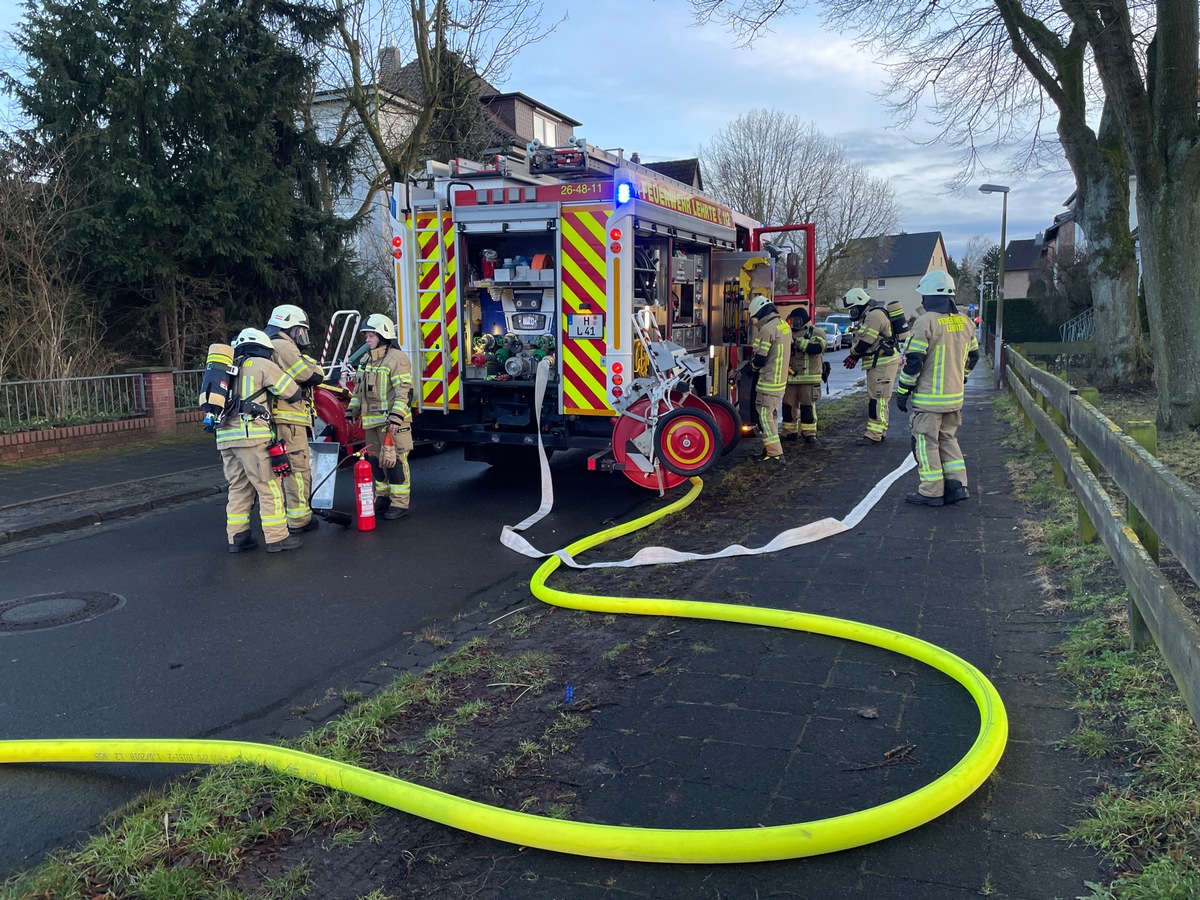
[[75, 439], [161, 421]]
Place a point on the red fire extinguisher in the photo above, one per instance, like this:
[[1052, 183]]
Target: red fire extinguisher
[[364, 492]]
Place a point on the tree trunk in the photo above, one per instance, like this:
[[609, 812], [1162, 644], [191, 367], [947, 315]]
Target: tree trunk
[[1101, 168], [1169, 233], [167, 301], [1120, 357]]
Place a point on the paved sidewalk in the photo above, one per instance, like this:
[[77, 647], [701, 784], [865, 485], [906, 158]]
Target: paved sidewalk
[[46, 497], [753, 727]]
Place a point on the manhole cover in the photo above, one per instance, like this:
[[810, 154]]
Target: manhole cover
[[52, 610]]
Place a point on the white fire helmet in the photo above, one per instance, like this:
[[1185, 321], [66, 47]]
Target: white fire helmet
[[936, 283], [855, 297], [381, 325], [288, 316], [293, 320], [757, 304], [252, 336]]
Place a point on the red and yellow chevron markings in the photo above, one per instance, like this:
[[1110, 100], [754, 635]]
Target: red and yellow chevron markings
[[583, 263]]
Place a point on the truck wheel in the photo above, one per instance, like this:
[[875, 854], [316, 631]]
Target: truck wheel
[[687, 441]]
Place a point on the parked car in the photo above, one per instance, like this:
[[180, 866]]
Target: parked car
[[844, 324], [833, 334]]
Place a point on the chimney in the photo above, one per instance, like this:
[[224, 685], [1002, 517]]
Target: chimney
[[389, 61]]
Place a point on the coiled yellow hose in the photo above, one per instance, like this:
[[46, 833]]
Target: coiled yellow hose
[[731, 845]]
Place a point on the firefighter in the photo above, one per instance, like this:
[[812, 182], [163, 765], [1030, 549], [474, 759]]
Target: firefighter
[[382, 394], [804, 377], [288, 330], [772, 343], [875, 346], [940, 354], [246, 437]]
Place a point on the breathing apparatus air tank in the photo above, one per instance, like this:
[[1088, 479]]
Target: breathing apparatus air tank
[[216, 383]]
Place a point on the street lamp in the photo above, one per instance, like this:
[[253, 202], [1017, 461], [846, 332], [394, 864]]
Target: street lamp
[[999, 189]]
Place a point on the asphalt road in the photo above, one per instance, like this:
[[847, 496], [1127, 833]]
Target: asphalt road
[[208, 644]]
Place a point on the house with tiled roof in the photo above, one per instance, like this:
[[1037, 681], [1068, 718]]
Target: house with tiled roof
[[1027, 261], [1021, 260], [890, 266], [509, 121], [683, 170]]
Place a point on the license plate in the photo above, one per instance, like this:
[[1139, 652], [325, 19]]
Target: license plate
[[585, 326]]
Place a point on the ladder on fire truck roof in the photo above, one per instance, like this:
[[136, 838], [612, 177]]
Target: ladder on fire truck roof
[[436, 324]]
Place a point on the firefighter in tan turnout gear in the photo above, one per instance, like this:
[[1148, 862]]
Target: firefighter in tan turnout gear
[[382, 395], [940, 354], [246, 438], [772, 349], [804, 377], [288, 330], [875, 345]]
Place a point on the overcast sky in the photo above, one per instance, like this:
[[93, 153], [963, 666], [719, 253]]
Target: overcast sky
[[640, 76]]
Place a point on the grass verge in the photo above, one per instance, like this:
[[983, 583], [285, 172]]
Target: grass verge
[[1145, 815], [488, 721]]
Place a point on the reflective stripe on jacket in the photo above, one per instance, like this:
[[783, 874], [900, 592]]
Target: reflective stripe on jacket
[[805, 367], [289, 358], [875, 331], [944, 340], [773, 340], [259, 381], [384, 388]]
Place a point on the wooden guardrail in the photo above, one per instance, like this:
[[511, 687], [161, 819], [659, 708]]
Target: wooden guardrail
[[1159, 505]]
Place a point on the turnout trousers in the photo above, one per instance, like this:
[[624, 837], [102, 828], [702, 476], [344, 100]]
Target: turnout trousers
[[248, 471], [880, 381], [800, 408], [766, 407], [935, 447], [298, 488], [394, 483]]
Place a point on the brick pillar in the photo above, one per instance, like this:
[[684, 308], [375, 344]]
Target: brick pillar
[[160, 400]]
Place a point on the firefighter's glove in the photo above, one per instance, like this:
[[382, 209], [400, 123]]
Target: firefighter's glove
[[387, 453], [902, 401], [850, 361], [277, 453]]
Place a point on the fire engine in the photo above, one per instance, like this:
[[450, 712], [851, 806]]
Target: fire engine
[[626, 291]]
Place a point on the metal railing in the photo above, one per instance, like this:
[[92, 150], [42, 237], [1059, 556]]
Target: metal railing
[[70, 401], [1079, 328], [187, 389]]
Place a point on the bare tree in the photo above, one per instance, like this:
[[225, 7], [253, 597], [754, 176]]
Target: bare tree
[[454, 47], [996, 71], [48, 326], [783, 171]]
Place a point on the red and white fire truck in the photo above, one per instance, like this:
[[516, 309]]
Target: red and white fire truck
[[627, 289]]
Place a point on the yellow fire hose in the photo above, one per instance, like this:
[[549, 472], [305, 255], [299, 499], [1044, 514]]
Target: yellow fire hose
[[729, 845]]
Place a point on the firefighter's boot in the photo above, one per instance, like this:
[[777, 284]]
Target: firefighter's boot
[[955, 491], [291, 542], [311, 525], [394, 512], [916, 499], [243, 540]]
